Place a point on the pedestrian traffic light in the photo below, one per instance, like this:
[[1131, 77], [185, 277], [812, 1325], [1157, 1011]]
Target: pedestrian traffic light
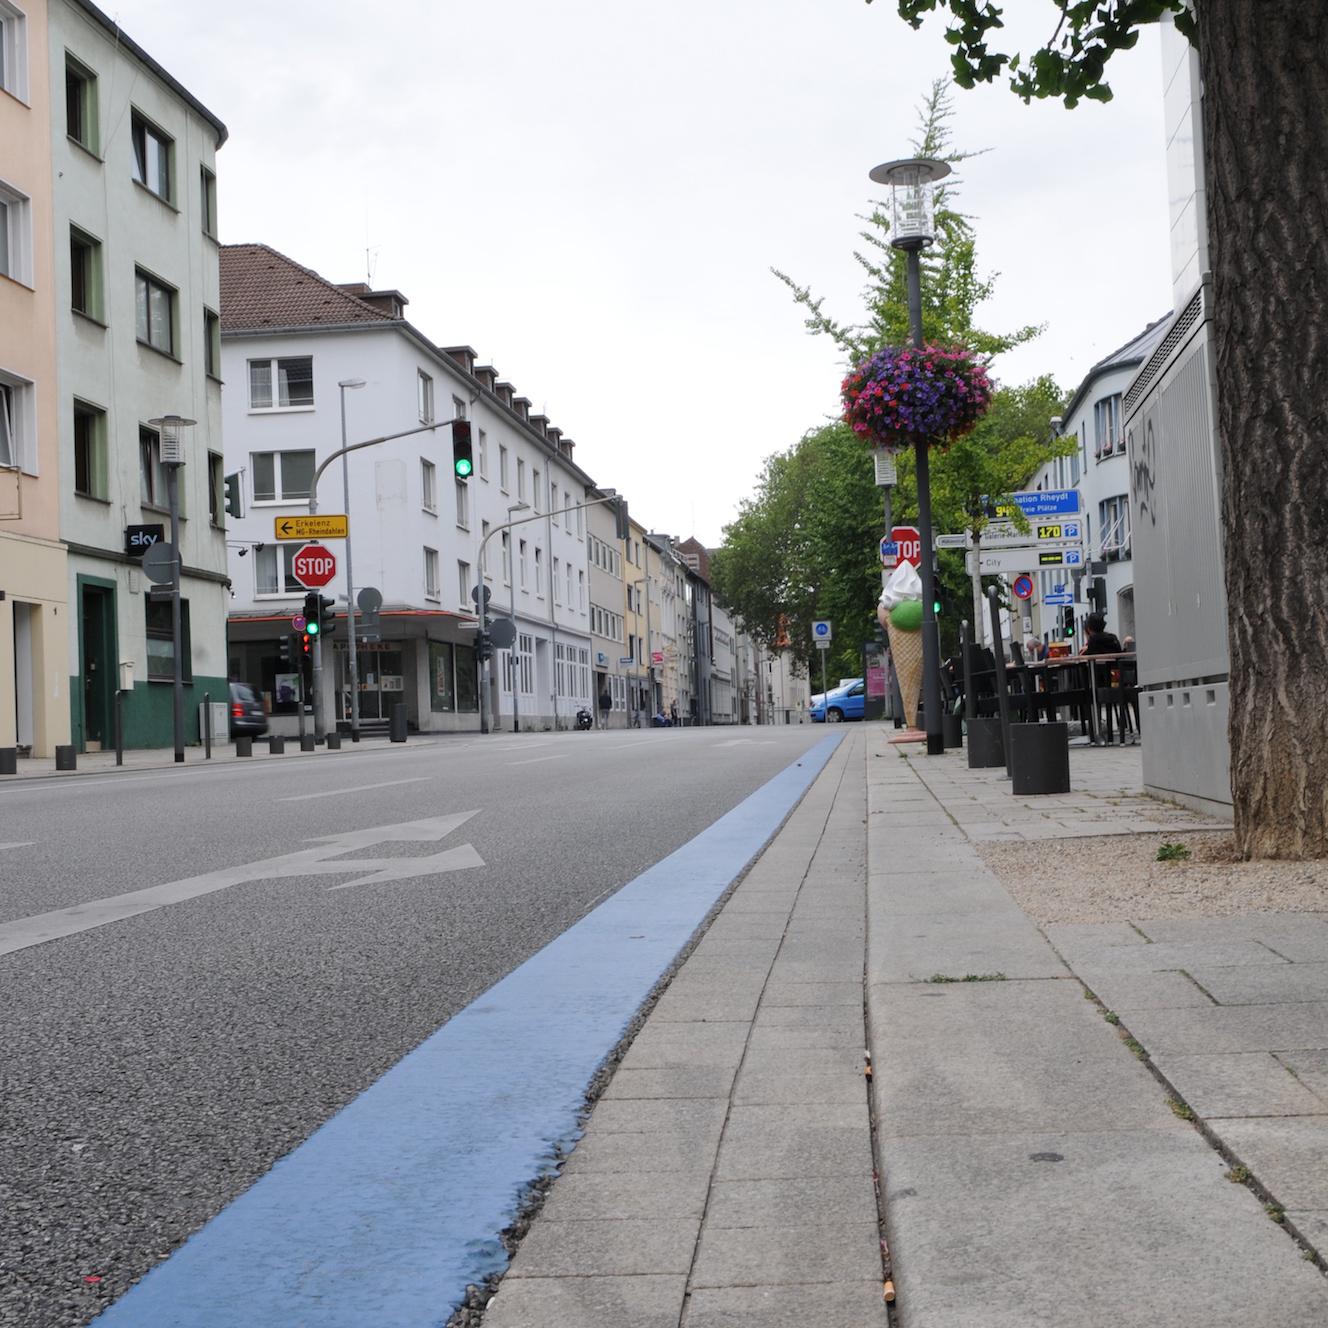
[[463, 459], [233, 495], [1067, 623]]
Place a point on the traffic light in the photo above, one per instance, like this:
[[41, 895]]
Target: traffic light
[[307, 642], [938, 600], [327, 615], [284, 650], [312, 606], [1067, 622], [233, 495], [1097, 594], [463, 459]]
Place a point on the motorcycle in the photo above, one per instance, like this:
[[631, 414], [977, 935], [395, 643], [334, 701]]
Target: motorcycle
[[584, 719]]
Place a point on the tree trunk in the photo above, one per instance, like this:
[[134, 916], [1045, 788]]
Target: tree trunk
[[1266, 156]]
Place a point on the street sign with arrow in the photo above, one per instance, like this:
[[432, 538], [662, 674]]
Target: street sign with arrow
[[312, 527]]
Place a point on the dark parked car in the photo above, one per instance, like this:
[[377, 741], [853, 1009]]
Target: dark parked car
[[247, 717]]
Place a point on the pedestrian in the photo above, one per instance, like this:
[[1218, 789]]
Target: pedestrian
[[1099, 641], [673, 713], [605, 705]]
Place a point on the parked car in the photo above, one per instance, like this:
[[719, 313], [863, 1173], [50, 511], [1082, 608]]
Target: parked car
[[839, 703], [247, 717]]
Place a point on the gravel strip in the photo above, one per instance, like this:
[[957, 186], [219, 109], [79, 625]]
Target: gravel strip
[[1117, 878]]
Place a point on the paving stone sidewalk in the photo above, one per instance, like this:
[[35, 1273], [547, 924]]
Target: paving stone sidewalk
[[1034, 1171], [725, 1178]]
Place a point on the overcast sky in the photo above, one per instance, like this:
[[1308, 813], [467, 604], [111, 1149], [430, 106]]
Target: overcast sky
[[592, 194]]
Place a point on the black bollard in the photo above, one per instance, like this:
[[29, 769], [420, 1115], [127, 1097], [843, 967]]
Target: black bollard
[[1040, 758], [397, 723], [244, 745]]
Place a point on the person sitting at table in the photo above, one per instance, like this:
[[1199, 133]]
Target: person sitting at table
[[1099, 641], [1034, 650]]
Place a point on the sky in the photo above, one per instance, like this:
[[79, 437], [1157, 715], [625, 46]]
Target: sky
[[592, 195]]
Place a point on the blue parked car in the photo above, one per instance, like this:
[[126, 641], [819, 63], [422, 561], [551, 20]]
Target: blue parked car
[[839, 703]]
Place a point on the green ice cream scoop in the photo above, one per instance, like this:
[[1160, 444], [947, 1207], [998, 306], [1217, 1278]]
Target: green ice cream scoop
[[907, 615]]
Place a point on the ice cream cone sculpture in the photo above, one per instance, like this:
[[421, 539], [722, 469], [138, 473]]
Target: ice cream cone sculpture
[[901, 612]]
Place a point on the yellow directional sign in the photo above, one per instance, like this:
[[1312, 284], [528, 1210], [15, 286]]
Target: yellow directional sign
[[312, 527]]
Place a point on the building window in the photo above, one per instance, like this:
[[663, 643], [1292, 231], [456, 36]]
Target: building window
[[1107, 426], [553, 502], [85, 275], [212, 344], [154, 313], [522, 560], [151, 473], [272, 569], [216, 490], [526, 646], [570, 601], [463, 583], [429, 483], [424, 396], [442, 695], [293, 379], [507, 557], [535, 489], [15, 235], [13, 51], [89, 451], [520, 480], [161, 642], [153, 153], [484, 455], [580, 522], [80, 103], [282, 477], [16, 424], [581, 591], [463, 504], [557, 588], [539, 573], [502, 467], [458, 409], [207, 199], [1114, 522], [430, 573]]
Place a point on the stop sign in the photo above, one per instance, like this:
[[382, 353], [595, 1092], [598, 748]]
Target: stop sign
[[910, 544], [314, 566]]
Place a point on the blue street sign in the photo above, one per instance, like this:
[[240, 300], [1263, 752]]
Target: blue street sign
[[1059, 587], [1049, 502], [821, 629], [1057, 599], [1074, 557]]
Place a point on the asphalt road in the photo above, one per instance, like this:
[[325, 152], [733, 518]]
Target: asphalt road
[[153, 1067]]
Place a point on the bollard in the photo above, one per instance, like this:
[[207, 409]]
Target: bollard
[[66, 758], [8, 760], [952, 730], [307, 742], [1040, 758], [276, 744], [397, 722], [244, 745], [334, 742], [986, 747]]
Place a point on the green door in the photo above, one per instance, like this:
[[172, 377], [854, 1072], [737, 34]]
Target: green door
[[99, 667]]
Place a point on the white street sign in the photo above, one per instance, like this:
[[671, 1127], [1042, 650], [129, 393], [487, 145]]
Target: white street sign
[[821, 630], [952, 541], [822, 645], [1029, 559], [1004, 535]]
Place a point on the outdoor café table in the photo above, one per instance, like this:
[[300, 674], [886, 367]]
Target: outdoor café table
[[1108, 662], [1060, 673]]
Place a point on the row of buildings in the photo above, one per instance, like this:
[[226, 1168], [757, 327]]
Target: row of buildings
[[120, 307]]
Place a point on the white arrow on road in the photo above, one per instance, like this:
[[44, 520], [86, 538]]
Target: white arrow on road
[[321, 860]]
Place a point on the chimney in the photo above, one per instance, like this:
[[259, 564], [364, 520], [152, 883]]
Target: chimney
[[565, 446], [522, 407], [540, 422], [554, 434], [504, 391], [487, 375], [462, 355]]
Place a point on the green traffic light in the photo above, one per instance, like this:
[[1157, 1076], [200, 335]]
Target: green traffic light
[[311, 627], [936, 608], [464, 466]]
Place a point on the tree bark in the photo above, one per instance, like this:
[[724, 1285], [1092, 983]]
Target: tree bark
[[1265, 119]]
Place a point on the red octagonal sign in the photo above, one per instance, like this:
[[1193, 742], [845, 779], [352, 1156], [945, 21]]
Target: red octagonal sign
[[314, 566]]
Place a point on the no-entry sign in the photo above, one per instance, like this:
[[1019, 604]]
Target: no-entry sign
[[909, 540], [314, 566]]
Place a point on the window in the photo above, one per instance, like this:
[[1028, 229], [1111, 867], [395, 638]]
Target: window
[[569, 585], [557, 588], [520, 480], [507, 557], [580, 522], [85, 275], [442, 695], [207, 199], [463, 504], [294, 380], [484, 535], [16, 423], [153, 153], [216, 490], [539, 573], [431, 574], [154, 313], [522, 545], [553, 502], [15, 235], [89, 451], [429, 485], [463, 583], [272, 569], [13, 51], [581, 591], [502, 467], [484, 455], [211, 344], [151, 473], [1114, 522], [161, 642], [1106, 426], [458, 409], [527, 662], [282, 477], [535, 489], [424, 396], [80, 103]]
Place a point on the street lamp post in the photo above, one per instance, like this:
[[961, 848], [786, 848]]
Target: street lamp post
[[352, 657], [171, 436], [514, 652], [913, 228]]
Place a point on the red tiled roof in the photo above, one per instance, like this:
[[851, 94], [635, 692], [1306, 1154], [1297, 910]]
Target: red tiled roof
[[261, 288]]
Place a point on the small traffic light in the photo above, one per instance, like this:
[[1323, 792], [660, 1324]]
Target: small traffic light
[[1067, 623], [233, 495], [311, 606], [327, 616], [284, 649], [463, 459], [1097, 594], [307, 641]]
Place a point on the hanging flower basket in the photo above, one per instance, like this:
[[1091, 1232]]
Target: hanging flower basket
[[901, 396]]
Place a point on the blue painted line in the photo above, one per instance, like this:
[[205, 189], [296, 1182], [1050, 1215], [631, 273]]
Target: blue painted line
[[386, 1213]]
